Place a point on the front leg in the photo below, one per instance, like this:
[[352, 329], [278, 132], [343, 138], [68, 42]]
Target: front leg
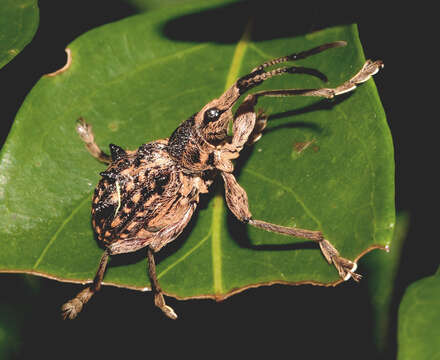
[[243, 127], [85, 132], [237, 201], [260, 125], [245, 119]]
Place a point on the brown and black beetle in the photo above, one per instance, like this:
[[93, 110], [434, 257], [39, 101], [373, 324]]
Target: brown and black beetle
[[146, 197]]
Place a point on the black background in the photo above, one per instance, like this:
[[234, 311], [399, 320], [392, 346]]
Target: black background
[[305, 321]]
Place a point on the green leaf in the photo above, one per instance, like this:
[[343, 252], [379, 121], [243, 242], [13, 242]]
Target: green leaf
[[382, 269], [18, 24], [135, 81], [11, 319], [419, 319], [148, 5]]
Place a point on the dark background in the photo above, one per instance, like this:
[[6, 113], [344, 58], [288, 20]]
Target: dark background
[[267, 321]]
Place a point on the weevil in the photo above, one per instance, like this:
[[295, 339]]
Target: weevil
[[146, 197]]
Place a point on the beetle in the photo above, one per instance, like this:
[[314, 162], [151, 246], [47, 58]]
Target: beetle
[[146, 197]]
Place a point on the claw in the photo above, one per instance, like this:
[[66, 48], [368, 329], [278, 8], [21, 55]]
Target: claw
[[71, 309], [346, 268], [356, 277], [351, 273], [84, 131], [168, 311], [159, 301]]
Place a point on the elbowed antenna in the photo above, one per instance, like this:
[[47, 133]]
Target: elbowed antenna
[[257, 75], [300, 55]]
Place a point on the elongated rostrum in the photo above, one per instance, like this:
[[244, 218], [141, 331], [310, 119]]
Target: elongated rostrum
[[147, 196]]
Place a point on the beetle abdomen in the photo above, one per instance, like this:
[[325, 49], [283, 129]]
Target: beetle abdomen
[[140, 194]]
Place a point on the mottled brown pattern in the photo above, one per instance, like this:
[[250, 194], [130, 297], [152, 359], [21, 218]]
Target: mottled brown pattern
[[147, 196], [141, 194]]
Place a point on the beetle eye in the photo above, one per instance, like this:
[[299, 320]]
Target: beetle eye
[[212, 114]]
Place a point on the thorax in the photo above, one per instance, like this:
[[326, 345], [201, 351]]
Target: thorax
[[190, 150]]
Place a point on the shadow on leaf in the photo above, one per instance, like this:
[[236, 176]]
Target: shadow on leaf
[[225, 24]]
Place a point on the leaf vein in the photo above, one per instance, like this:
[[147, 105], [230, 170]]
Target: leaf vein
[[290, 191], [188, 253], [218, 205], [371, 166], [58, 231], [118, 79]]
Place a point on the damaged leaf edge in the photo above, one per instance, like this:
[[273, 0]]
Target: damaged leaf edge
[[65, 67]]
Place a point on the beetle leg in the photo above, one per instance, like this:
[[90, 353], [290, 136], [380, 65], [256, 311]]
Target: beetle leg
[[159, 300], [85, 132], [260, 125], [73, 307], [237, 201], [369, 69], [246, 122], [242, 128]]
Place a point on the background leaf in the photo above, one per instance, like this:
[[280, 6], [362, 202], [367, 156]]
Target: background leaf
[[135, 81], [18, 24], [10, 322], [148, 5], [382, 268], [419, 319]]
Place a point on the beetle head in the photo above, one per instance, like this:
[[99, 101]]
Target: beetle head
[[212, 121]]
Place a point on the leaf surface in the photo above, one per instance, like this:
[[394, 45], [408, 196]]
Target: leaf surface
[[135, 80], [419, 319], [18, 24]]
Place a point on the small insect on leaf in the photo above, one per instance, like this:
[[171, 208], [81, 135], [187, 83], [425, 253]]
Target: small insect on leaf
[[147, 196]]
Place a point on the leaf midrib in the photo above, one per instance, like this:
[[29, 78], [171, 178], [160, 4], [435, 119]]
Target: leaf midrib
[[218, 204]]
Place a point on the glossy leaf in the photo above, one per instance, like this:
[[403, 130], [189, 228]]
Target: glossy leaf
[[419, 319], [135, 81], [18, 24]]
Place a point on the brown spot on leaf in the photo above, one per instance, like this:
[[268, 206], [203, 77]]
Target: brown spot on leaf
[[113, 126], [299, 147], [13, 52]]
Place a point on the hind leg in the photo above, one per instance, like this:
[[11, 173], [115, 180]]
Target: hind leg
[[73, 307], [159, 300]]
